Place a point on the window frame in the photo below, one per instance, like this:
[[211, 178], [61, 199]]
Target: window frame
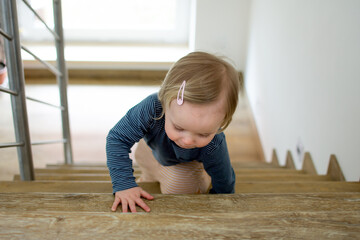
[[30, 33]]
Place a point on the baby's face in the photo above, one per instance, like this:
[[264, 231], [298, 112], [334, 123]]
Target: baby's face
[[193, 125]]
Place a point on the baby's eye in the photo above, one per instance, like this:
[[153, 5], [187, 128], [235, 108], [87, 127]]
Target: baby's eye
[[178, 128], [204, 135]]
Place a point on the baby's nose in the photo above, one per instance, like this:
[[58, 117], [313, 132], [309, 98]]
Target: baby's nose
[[188, 140]]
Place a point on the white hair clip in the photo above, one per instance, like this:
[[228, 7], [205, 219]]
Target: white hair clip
[[180, 96]]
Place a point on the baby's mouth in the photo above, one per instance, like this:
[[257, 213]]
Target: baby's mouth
[[185, 146]]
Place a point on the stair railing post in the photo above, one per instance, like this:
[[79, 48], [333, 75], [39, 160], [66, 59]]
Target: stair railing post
[[62, 80], [17, 84]]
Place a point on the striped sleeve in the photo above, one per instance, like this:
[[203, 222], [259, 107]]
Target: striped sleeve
[[129, 130], [217, 165]]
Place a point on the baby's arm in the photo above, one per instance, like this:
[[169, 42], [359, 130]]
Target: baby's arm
[[129, 198], [130, 129], [217, 165]]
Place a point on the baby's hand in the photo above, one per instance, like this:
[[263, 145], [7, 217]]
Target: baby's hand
[[129, 198]]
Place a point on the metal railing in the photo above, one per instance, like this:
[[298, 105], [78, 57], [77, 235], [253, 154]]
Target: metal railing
[[9, 29]]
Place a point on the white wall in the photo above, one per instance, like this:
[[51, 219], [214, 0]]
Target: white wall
[[221, 27], [303, 81]]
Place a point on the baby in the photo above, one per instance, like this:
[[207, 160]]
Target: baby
[[183, 125]]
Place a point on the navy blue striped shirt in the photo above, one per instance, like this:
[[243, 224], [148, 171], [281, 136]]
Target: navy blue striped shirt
[[142, 121]]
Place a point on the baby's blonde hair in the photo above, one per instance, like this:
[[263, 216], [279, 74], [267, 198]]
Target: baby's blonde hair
[[206, 76]]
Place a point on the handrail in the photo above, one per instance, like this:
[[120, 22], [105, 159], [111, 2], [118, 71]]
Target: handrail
[[63, 79], [41, 20], [9, 21], [46, 64], [49, 142], [2, 89], [49, 104], [9, 37], [10, 31], [19, 144], [16, 144]]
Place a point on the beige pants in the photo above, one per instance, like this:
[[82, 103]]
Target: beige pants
[[183, 178]]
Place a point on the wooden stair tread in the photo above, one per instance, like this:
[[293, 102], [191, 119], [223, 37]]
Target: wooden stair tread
[[77, 165], [195, 203], [69, 186], [69, 177], [268, 198], [239, 178], [137, 171], [296, 187], [154, 187], [72, 170], [242, 225], [251, 164], [282, 177]]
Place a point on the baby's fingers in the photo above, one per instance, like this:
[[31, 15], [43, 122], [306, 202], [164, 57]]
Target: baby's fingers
[[146, 195], [124, 205], [132, 206], [143, 205], [115, 204]]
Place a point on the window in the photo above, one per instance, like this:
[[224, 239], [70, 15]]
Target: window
[[110, 21]]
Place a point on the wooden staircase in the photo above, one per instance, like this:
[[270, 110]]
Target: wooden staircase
[[68, 202]]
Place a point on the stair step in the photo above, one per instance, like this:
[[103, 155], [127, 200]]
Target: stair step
[[281, 177], [195, 203], [181, 225], [69, 186], [296, 187], [69, 177], [252, 164], [137, 171], [75, 170], [77, 165], [154, 187], [239, 178]]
